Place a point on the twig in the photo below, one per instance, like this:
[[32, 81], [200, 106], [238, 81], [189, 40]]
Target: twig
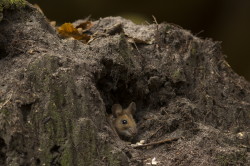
[[136, 46], [156, 143], [156, 131], [155, 20], [8, 99], [199, 32]]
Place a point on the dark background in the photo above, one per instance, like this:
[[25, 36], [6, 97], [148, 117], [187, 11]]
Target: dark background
[[223, 20]]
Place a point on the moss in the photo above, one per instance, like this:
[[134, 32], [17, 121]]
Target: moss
[[5, 119], [11, 3], [67, 156], [57, 125], [66, 128], [193, 59], [5, 4], [5, 112], [40, 74], [177, 76], [193, 51], [55, 133], [84, 139], [168, 28], [125, 52], [58, 94], [55, 130], [91, 152]]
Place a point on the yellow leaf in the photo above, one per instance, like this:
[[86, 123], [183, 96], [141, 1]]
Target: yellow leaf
[[68, 30]]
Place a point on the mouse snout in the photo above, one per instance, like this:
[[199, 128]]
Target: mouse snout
[[129, 132], [133, 131]]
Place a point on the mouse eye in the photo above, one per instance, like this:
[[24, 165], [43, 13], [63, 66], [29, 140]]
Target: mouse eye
[[124, 121]]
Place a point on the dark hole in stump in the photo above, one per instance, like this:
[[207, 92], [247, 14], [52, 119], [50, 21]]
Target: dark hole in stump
[[55, 149], [2, 53], [38, 161], [116, 85], [3, 43], [116, 92], [25, 108], [2, 152]]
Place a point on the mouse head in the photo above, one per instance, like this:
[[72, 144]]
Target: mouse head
[[124, 122]]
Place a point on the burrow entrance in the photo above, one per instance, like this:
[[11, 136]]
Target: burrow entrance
[[118, 85], [151, 93]]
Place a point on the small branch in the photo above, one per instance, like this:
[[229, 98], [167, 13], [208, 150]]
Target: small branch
[[156, 143], [155, 20], [8, 99], [156, 131]]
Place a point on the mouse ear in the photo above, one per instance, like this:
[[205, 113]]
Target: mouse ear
[[116, 110], [132, 108]]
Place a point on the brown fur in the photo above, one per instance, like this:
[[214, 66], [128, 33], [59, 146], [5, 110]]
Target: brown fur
[[129, 129]]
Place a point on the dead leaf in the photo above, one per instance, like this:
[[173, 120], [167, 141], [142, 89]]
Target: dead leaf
[[85, 25], [67, 30]]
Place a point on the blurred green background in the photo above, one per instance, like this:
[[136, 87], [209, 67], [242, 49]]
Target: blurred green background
[[222, 20]]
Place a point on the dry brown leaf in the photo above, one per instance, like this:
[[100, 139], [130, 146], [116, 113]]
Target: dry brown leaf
[[68, 30], [85, 25]]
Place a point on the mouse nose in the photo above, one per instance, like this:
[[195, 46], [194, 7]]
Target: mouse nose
[[133, 131]]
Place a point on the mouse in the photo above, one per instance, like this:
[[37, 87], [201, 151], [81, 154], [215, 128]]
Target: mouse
[[124, 122]]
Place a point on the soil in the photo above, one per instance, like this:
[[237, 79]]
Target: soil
[[56, 95]]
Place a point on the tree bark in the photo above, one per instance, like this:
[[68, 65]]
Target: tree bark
[[56, 94]]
